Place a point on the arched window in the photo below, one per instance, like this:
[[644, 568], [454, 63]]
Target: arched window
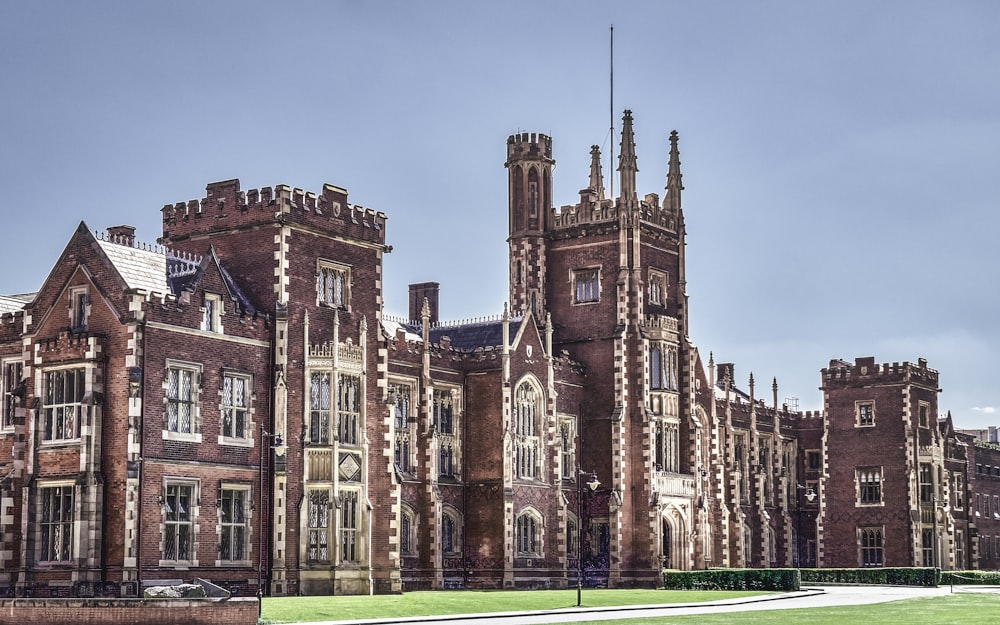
[[526, 444], [408, 533], [528, 534], [451, 531]]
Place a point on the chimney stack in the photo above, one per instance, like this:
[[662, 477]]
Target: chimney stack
[[419, 292]]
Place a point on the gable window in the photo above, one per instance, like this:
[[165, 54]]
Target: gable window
[[319, 408], [235, 388], [13, 392], [870, 540], [64, 390], [348, 408], [182, 397], [211, 320], [78, 308], [586, 286], [56, 523], [318, 544], [865, 413], [349, 522], [178, 527], [526, 454], [233, 524], [333, 284], [869, 485]]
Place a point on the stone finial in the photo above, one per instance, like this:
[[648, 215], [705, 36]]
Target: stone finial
[[596, 183], [672, 198], [627, 162]]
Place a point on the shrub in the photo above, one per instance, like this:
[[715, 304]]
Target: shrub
[[893, 576], [969, 578], [732, 579]]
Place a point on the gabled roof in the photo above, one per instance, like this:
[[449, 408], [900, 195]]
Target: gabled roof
[[154, 269]]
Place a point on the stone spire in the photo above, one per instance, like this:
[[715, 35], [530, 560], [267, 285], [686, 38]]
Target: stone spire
[[627, 162], [596, 175], [672, 199]]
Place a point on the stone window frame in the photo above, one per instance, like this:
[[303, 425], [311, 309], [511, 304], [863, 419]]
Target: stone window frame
[[196, 371], [350, 416], [48, 423], [864, 413], [409, 526], [333, 284], [530, 520], [320, 430], [869, 485], [452, 515], [585, 283], [247, 524], [658, 281], [11, 375], [528, 453], [403, 418], [663, 366], [871, 546], [43, 541], [814, 453], [212, 310], [572, 534], [194, 512], [247, 438], [449, 442], [350, 523], [322, 498], [78, 308], [568, 441]]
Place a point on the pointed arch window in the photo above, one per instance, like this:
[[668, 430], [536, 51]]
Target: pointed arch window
[[528, 534], [527, 441]]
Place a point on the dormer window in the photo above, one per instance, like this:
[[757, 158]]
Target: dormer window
[[212, 313], [79, 304]]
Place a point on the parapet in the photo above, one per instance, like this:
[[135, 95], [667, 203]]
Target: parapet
[[529, 146], [867, 371], [226, 207]]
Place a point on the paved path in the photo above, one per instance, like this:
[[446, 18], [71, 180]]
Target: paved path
[[806, 598]]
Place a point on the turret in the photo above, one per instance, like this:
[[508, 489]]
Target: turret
[[529, 170]]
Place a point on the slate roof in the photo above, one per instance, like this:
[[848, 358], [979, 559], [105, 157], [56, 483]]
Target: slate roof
[[14, 303], [160, 270], [142, 269], [463, 336]]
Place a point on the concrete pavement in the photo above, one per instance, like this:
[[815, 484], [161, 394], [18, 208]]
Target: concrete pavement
[[812, 597]]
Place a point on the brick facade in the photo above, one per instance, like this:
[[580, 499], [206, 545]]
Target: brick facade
[[232, 403]]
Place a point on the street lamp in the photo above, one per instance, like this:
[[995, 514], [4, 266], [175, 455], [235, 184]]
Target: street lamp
[[810, 497], [270, 441], [592, 484]]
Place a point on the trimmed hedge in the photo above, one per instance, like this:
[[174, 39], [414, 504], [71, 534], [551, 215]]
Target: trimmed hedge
[[893, 576], [732, 579], [970, 578]]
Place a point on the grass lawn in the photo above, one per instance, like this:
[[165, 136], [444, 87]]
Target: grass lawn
[[304, 609], [958, 609]]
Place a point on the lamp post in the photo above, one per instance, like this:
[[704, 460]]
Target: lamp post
[[592, 484], [810, 497], [269, 441]]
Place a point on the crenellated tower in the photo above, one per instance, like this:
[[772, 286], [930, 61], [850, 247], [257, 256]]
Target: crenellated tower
[[529, 171]]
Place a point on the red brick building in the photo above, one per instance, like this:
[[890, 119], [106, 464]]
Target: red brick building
[[233, 403]]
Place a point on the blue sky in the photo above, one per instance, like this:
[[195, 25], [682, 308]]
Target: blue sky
[[840, 159]]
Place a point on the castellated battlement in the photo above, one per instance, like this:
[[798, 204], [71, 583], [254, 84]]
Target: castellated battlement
[[227, 207], [531, 146], [867, 371], [592, 210]]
